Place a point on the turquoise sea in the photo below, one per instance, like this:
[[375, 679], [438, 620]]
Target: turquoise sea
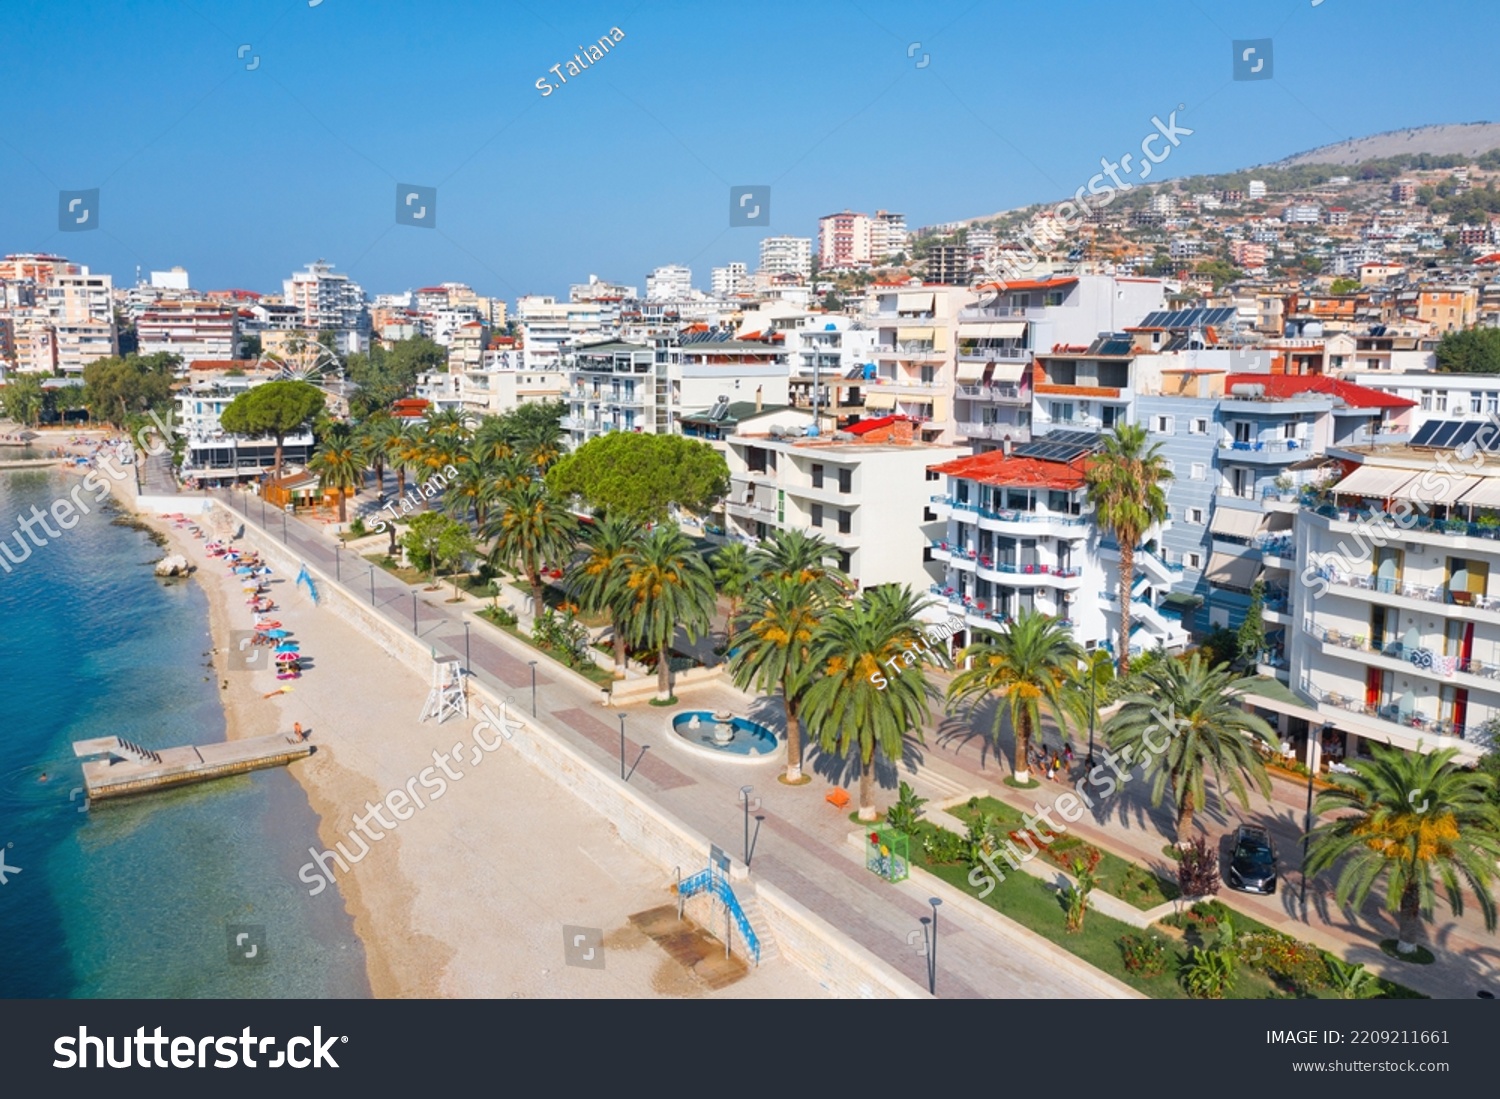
[[138, 898]]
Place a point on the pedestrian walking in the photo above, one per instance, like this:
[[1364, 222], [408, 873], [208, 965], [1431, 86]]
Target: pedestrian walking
[[297, 730]]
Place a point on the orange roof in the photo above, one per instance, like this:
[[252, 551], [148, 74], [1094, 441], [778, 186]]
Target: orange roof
[[1291, 385], [996, 468], [1026, 284]]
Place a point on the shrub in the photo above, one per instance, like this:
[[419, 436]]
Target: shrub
[[1076, 897], [942, 846], [1146, 957], [502, 616], [357, 527], [1351, 980], [903, 815], [1284, 958], [1209, 973], [1198, 870]]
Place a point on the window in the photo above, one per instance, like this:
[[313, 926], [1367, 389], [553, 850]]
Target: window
[[817, 475], [846, 480], [1426, 400], [1164, 425], [845, 521], [1440, 401], [817, 515], [1194, 516], [1054, 297], [1199, 426], [1193, 560], [1169, 465], [1109, 415], [1492, 401], [1199, 471], [934, 475], [1476, 403]]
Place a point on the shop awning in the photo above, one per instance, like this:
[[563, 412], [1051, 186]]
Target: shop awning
[[1236, 523], [1230, 571], [1007, 373], [970, 372], [1435, 487], [923, 334], [1484, 494], [994, 330], [914, 301], [1381, 481], [880, 400]]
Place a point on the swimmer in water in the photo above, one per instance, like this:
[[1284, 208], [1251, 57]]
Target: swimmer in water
[[43, 778]]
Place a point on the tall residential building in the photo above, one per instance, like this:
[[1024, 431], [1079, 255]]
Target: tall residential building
[[192, 329], [614, 386], [843, 240], [887, 235], [914, 375], [326, 301], [949, 265], [672, 282], [730, 280], [786, 256], [549, 328], [38, 267], [1257, 189], [81, 296]]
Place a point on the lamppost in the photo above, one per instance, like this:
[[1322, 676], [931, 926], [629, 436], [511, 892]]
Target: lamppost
[[533, 692], [338, 557], [745, 797], [467, 670], [372, 585], [283, 524], [413, 612], [263, 507], [622, 746], [1307, 823], [932, 947], [1093, 708]]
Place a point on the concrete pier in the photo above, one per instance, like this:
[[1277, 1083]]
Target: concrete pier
[[131, 769]]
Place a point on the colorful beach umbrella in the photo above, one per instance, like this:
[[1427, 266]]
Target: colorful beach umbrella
[[286, 658], [287, 647], [274, 632]]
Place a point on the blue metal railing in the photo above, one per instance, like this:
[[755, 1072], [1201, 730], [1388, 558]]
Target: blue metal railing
[[710, 881]]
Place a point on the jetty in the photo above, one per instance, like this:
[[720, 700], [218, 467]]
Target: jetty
[[131, 769]]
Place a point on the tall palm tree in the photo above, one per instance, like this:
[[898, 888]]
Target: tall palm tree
[[665, 583], [595, 579], [1028, 666], [1124, 484], [805, 557], [470, 493], [509, 472], [374, 434], [492, 440], [451, 420], [445, 446], [733, 574], [1418, 822], [339, 464], [1185, 717], [407, 453], [851, 712], [775, 652], [531, 531], [541, 442]]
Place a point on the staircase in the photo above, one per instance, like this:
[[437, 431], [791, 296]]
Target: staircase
[[135, 752], [757, 941], [1158, 570], [751, 908]]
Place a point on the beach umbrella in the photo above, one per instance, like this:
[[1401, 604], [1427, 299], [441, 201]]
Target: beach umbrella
[[287, 647], [277, 633], [286, 658], [243, 568]]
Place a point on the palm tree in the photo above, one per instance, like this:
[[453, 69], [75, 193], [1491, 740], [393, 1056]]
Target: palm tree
[[340, 467], [542, 444], [445, 446], [1418, 821], [406, 451], [470, 492], [531, 531], [853, 714], [804, 557], [1125, 489], [1208, 728], [734, 575], [374, 436], [665, 583], [775, 651], [510, 471], [451, 421], [595, 579], [1029, 665], [492, 440]]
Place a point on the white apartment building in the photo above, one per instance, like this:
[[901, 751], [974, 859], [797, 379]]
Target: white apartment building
[[865, 492], [192, 329], [327, 301], [212, 454], [79, 343], [729, 280], [672, 282], [888, 235], [844, 240], [550, 327], [786, 256], [1399, 615], [915, 336], [612, 385], [1257, 189]]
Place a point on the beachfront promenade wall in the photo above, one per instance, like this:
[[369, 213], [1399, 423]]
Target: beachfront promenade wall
[[840, 965]]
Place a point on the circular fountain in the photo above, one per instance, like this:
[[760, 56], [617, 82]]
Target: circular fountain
[[724, 736]]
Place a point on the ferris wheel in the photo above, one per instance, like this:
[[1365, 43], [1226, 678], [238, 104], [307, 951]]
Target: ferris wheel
[[306, 361]]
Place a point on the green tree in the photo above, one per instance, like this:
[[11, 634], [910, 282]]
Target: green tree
[[1416, 822], [433, 540], [1252, 633], [116, 389], [1221, 272], [596, 578], [1470, 351], [23, 397], [806, 558], [531, 531], [775, 652], [733, 575], [374, 435], [1125, 487], [1344, 286], [276, 409], [340, 467], [1184, 718], [852, 714], [1029, 666], [665, 585], [643, 476]]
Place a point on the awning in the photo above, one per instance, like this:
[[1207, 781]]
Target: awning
[[1009, 374], [914, 301], [1381, 481], [1485, 494], [923, 334], [880, 400], [1182, 600], [1434, 487], [1230, 571], [994, 330], [969, 372], [1279, 521], [1236, 523]]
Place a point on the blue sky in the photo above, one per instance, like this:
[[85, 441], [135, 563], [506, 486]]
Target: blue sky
[[242, 175]]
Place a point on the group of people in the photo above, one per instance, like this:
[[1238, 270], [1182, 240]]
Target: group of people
[[1054, 763]]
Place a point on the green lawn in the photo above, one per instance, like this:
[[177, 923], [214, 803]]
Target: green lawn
[[588, 670]]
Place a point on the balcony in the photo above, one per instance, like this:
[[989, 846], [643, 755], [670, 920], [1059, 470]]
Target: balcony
[[1264, 451], [1376, 438], [750, 509], [981, 313], [1421, 592], [909, 351], [1016, 432], [1007, 393], [1067, 526], [1386, 714], [993, 354]]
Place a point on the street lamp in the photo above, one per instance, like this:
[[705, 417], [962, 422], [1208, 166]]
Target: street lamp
[[533, 689], [467, 668], [413, 612], [338, 557], [932, 947], [1312, 769], [745, 797], [372, 585], [622, 746], [1093, 707], [283, 525]]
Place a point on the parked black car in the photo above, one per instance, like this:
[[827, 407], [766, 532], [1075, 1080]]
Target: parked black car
[[1252, 867]]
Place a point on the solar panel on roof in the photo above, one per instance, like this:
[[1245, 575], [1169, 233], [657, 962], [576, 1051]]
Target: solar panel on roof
[[1424, 434], [1446, 430], [1465, 433]]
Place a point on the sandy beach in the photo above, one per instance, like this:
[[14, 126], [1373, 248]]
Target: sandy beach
[[469, 896]]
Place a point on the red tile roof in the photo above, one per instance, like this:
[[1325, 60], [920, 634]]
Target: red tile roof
[[865, 426], [996, 468], [1026, 284], [1291, 385]]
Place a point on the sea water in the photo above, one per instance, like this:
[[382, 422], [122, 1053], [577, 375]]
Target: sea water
[[144, 897]]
